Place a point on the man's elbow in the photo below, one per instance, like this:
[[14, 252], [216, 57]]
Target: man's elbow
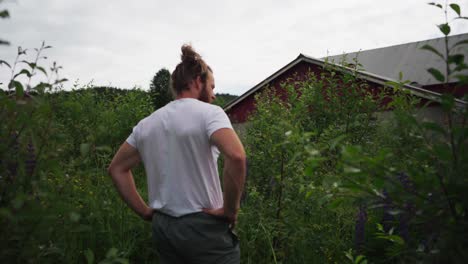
[[238, 158], [111, 170]]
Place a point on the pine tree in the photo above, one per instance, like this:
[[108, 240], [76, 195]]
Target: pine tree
[[160, 88]]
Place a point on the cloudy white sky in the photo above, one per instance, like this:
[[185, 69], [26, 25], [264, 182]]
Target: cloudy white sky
[[124, 43]]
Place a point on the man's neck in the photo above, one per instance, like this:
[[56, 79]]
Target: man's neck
[[186, 94]]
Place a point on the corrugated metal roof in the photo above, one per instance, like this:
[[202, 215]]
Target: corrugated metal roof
[[407, 58], [370, 76]]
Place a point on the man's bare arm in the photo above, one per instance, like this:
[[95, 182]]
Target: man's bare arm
[[124, 160], [234, 171]]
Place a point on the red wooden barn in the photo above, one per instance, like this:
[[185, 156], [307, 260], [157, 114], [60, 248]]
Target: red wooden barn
[[376, 66]]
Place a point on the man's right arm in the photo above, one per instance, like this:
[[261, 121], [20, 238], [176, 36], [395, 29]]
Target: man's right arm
[[234, 171]]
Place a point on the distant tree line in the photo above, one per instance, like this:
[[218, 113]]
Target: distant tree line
[[159, 91]]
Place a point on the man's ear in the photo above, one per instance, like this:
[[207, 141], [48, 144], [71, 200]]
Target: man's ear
[[194, 84], [198, 83]]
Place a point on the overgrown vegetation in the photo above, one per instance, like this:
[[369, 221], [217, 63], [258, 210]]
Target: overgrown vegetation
[[339, 174], [336, 174]]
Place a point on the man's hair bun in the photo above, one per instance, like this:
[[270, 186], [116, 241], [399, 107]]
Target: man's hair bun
[[188, 54], [191, 67]]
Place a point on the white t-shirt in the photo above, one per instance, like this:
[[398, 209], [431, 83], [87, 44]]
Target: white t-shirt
[[179, 159]]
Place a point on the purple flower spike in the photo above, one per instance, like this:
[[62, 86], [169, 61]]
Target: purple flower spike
[[405, 218], [359, 235], [387, 219], [405, 181], [31, 159], [407, 214], [13, 163]]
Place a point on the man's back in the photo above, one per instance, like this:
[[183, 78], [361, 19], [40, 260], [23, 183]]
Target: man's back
[[180, 162], [192, 219]]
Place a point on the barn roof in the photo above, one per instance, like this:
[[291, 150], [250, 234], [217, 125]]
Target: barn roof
[[407, 58], [380, 76]]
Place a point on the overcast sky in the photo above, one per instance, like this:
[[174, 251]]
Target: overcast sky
[[124, 43]]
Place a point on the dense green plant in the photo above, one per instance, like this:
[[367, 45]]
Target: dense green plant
[[222, 99], [317, 110], [27, 133], [57, 203], [409, 181]]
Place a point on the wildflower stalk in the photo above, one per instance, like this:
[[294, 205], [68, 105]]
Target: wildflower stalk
[[359, 233]]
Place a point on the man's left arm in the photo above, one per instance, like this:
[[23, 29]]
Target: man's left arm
[[124, 160]]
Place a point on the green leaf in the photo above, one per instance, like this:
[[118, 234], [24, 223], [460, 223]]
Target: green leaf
[[4, 42], [443, 152], [5, 213], [309, 170], [60, 81], [462, 79], [380, 228], [40, 88], [400, 76], [432, 49], [42, 70], [89, 255], [379, 193], [336, 141], [455, 8], [396, 239], [112, 253], [434, 127], [121, 260], [18, 88], [456, 58], [436, 74], [336, 203], [448, 102], [351, 170], [23, 71], [4, 14], [434, 4], [106, 149], [75, 217], [85, 148], [459, 209], [32, 65], [324, 199], [445, 29], [22, 51], [359, 259], [6, 63], [394, 85], [462, 42], [349, 254], [460, 67], [18, 202]]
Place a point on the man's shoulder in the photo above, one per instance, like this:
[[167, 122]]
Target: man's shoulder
[[202, 107], [149, 119], [203, 104]]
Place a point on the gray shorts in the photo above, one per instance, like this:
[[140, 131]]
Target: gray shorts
[[194, 238]]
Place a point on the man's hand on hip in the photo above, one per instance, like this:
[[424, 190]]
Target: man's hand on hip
[[221, 213], [148, 214]]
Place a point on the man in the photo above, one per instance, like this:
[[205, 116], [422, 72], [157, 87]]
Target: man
[[179, 145]]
